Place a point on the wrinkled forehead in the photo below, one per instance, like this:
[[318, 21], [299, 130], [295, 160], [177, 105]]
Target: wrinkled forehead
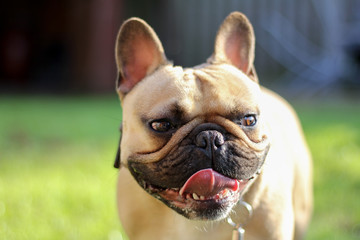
[[213, 89], [168, 87], [226, 87]]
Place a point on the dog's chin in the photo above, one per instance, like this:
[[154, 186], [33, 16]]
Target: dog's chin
[[192, 206]]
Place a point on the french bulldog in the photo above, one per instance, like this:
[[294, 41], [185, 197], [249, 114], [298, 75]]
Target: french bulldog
[[196, 141]]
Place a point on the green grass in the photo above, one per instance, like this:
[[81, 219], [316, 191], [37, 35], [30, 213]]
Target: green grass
[[333, 133], [57, 180], [56, 175]]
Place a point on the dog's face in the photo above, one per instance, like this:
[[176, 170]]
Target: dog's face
[[193, 138]]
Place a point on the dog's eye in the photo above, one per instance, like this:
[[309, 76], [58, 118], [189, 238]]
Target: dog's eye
[[161, 125], [248, 120]]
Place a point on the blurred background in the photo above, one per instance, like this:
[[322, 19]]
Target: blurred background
[[59, 114], [60, 46]]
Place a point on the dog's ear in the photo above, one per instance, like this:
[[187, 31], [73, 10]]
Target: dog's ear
[[235, 44], [138, 52]]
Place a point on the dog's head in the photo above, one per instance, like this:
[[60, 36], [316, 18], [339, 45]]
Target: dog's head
[[193, 138]]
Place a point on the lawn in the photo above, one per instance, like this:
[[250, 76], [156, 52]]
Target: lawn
[[333, 133], [57, 179]]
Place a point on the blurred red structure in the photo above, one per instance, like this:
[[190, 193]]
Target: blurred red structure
[[58, 45]]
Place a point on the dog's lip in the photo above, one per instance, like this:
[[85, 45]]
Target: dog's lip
[[193, 204], [186, 199], [208, 182], [219, 189], [194, 200]]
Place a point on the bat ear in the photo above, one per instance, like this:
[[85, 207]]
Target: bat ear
[[235, 43], [138, 53]]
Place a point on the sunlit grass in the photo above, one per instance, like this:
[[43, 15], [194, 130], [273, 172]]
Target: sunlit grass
[[56, 175], [333, 134], [57, 179]]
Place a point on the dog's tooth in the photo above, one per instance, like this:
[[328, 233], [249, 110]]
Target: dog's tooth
[[202, 198], [195, 196], [225, 192]]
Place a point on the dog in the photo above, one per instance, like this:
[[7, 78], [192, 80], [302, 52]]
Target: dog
[[197, 141]]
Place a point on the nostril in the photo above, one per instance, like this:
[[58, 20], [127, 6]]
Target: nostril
[[219, 140], [209, 139], [202, 140]]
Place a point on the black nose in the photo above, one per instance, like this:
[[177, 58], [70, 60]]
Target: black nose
[[209, 141]]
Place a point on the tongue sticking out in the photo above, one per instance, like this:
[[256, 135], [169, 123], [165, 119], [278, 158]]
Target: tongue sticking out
[[208, 183]]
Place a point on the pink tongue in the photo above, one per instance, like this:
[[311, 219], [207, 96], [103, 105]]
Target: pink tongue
[[208, 183]]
